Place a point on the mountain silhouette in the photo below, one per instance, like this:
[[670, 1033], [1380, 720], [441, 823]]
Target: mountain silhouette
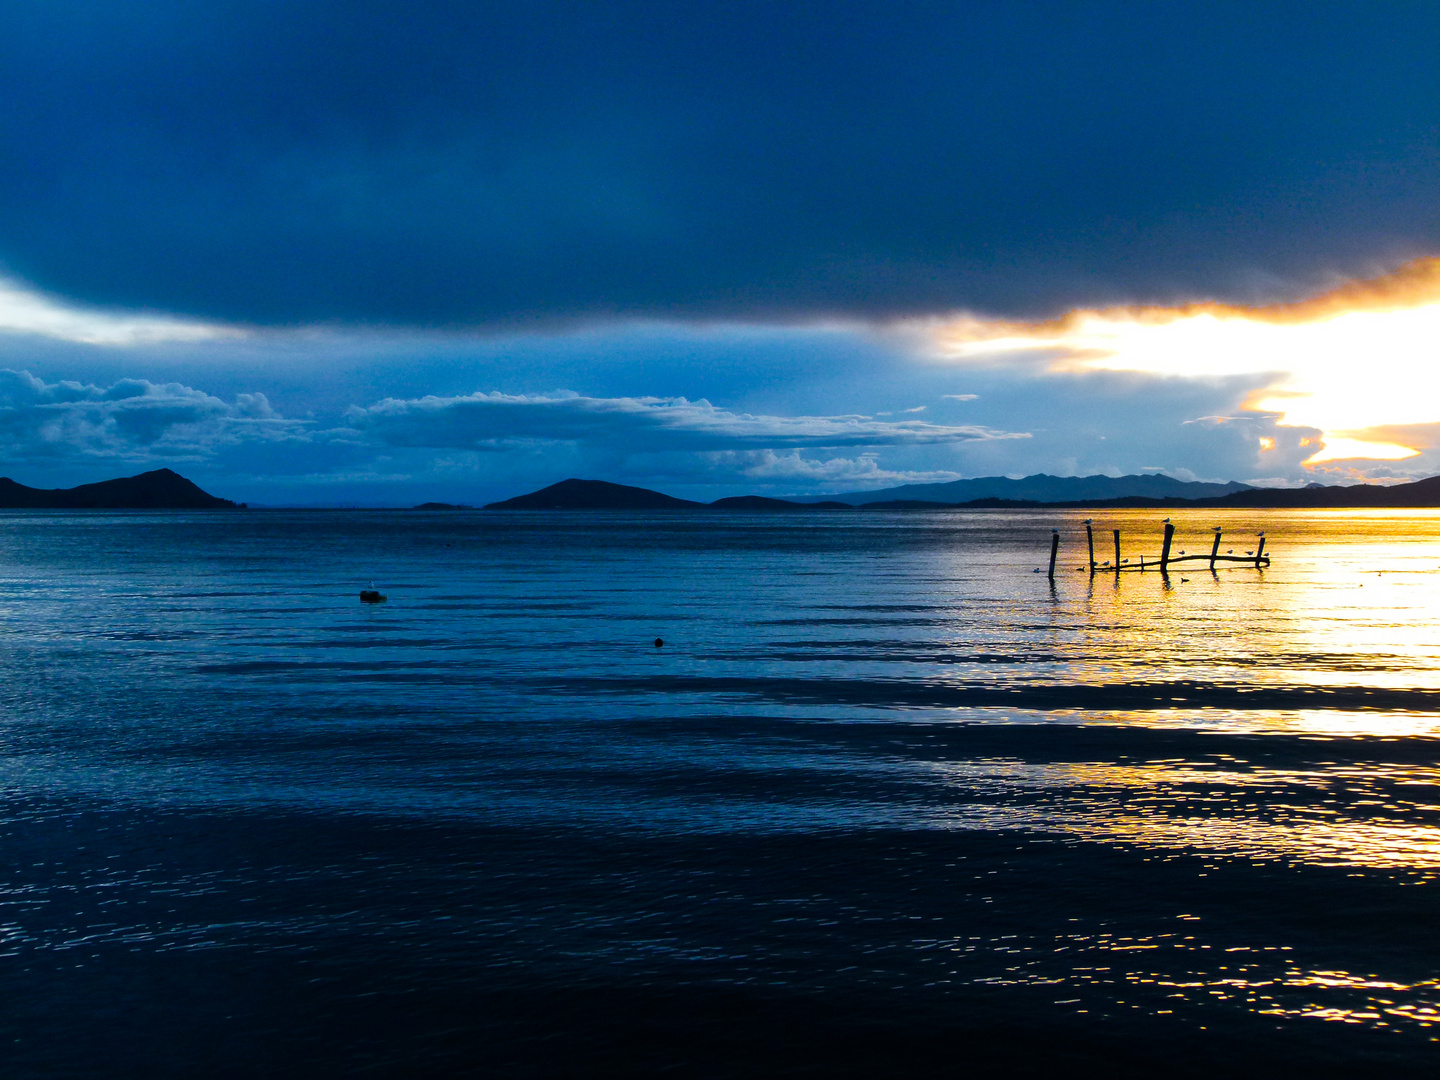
[[1040, 488], [157, 490]]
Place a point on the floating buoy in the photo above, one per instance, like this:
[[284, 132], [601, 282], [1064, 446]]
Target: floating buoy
[[659, 642], [372, 596]]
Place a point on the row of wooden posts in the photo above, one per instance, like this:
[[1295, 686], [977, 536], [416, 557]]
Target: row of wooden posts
[[1258, 558]]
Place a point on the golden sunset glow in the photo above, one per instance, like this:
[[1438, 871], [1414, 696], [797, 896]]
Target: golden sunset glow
[[1356, 362]]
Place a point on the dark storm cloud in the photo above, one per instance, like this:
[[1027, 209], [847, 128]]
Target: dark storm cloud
[[492, 163]]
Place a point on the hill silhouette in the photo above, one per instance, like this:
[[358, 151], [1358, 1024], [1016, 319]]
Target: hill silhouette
[[1419, 493], [593, 495], [160, 489]]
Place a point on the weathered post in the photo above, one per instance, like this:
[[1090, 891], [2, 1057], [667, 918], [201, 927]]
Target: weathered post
[[1165, 547], [1117, 551], [1090, 543], [1259, 550], [1216, 549], [1054, 550]]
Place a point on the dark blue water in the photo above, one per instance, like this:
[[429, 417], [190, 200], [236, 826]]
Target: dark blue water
[[885, 802]]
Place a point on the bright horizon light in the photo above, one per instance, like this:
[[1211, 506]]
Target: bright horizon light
[[25, 311], [1353, 362]]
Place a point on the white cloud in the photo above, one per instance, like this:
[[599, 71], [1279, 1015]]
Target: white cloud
[[646, 424], [25, 311], [861, 469], [131, 420]]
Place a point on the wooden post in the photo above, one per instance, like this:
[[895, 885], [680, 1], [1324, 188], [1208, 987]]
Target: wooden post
[[1259, 550], [1090, 543], [1054, 550], [1117, 551], [1215, 550], [1165, 547]]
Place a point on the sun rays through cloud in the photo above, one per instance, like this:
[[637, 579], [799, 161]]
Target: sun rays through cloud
[[1357, 362]]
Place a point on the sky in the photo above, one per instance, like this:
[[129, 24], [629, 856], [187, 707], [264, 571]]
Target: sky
[[374, 253]]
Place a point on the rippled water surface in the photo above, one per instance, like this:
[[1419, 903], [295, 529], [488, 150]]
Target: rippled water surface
[[886, 799]]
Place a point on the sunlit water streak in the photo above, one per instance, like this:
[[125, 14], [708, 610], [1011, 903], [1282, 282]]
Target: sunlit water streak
[[877, 751]]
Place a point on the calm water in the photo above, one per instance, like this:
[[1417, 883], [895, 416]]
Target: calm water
[[884, 801]]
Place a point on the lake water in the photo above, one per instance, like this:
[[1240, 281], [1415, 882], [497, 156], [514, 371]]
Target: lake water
[[885, 801]]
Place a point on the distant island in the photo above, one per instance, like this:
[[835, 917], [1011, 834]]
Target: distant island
[[160, 489], [1000, 493]]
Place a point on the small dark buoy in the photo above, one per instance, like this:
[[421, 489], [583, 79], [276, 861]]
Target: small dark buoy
[[372, 596], [659, 642]]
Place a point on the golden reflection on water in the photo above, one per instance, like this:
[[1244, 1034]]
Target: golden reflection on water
[[1192, 975], [1352, 815], [1351, 599], [1350, 607]]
